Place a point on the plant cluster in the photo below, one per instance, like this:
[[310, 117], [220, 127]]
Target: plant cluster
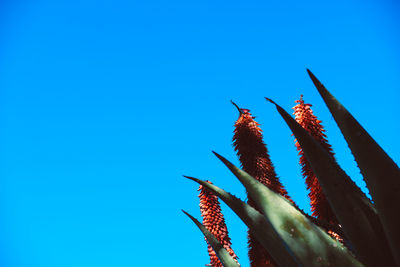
[[346, 228]]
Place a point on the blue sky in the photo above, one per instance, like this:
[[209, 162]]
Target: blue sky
[[104, 106]]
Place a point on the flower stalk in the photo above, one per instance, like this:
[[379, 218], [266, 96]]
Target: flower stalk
[[320, 207], [214, 222], [254, 157]]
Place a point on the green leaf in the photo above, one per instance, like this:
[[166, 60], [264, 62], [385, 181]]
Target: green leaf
[[353, 209], [311, 245], [380, 172], [257, 224], [223, 255]]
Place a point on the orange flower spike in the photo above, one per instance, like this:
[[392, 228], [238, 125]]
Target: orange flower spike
[[214, 221], [255, 160], [319, 205], [253, 153]]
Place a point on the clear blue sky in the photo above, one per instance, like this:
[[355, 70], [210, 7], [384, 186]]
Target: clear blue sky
[[104, 106]]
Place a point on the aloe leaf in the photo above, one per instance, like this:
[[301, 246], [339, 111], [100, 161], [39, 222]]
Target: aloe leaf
[[222, 254], [309, 243], [257, 224], [380, 172], [354, 211]]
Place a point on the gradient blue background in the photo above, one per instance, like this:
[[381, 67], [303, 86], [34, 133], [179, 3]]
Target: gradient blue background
[[105, 104]]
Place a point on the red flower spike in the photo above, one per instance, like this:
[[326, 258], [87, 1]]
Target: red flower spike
[[214, 221], [255, 160], [319, 205]]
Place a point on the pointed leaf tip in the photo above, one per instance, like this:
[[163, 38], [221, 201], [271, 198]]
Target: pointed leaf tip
[[185, 212], [313, 78], [191, 178], [224, 160], [279, 108], [218, 155], [270, 100]]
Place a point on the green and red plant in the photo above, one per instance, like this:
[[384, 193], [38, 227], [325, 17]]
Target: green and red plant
[[293, 238]]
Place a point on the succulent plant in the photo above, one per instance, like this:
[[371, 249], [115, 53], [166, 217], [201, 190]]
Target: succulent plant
[[369, 228]]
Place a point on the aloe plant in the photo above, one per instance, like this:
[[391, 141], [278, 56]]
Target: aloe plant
[[293, 238]]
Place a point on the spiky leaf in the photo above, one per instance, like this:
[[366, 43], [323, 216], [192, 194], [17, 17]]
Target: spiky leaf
[[380, 172], [256, 222], [311, 245], [352, 208]]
